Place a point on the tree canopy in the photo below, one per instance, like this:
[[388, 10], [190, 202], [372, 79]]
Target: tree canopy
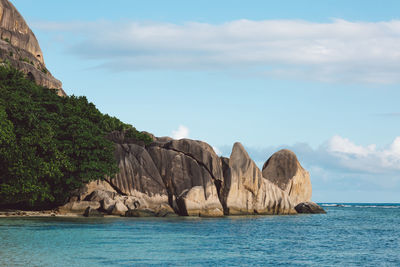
[[51, 145]]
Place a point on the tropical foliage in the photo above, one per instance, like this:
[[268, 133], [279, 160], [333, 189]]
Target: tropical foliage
[[51, 145]]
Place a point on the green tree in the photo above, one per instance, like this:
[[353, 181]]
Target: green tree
[[51, 145]]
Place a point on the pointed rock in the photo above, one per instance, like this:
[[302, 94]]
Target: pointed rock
[[248, 192]]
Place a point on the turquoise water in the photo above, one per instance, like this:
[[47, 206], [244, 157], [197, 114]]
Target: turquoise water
[[349, 235]]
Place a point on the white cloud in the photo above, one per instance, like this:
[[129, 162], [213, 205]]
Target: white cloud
[[366, 158], [342, 145], [391, 156], [336, 51], [181, 132]]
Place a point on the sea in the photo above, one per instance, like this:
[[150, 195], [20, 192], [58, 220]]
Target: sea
[[348, 235]]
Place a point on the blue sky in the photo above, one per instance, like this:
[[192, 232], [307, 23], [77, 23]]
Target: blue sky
[[318, 77]]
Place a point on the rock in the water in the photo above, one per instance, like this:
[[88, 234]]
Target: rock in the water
[[309, 207], [247, 192], [20, 48], [284, 170], [119, 209], [90, 212]]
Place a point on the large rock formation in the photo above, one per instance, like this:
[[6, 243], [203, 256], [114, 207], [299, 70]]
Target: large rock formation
[[20, 48], [284, 170], [187, 178]]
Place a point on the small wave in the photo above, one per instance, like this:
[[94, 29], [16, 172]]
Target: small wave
[[377, 206], [360, 206], [334, 205]]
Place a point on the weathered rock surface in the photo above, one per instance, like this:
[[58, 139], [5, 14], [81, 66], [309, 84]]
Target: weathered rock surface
[[20, 48], [201, 152], [193, 202], [139, 177], [284, 170], [309, 207], [189, 169], [247, 191]]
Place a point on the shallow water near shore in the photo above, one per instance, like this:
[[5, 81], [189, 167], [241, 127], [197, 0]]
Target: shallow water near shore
[[348, 235]]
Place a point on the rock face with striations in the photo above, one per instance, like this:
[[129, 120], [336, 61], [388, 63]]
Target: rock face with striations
[[140, 180], [284, 170], [20, 48], [247, 191], [190, 171]]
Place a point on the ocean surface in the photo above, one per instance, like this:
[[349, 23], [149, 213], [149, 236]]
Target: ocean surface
[[348, 235]]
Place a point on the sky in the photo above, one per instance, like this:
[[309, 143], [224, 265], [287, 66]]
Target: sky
[[318, 77]]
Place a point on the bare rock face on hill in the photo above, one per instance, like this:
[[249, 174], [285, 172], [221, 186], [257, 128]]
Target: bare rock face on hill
[[284, 170], [20, 48]]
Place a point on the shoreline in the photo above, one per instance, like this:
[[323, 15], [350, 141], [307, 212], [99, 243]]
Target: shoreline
[[40, 213], [55, 214], [47, 214]]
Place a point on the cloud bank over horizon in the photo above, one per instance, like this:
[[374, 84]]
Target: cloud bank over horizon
[[339, 51]]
